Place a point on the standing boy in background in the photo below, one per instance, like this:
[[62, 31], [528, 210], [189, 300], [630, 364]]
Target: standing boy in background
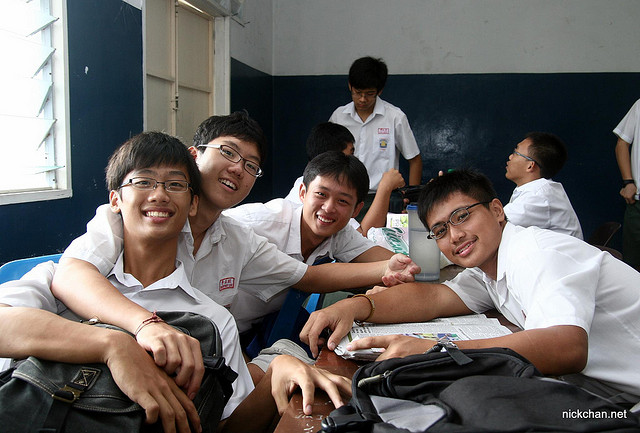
[[628, 157], [378, 127]]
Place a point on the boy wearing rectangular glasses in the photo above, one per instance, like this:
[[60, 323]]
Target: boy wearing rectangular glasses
[[577, 306]]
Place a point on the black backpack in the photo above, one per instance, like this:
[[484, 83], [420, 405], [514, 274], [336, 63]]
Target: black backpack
[[481, 390], [38, 395]]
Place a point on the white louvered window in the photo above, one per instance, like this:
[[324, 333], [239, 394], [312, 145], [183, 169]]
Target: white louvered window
[[34, 150]]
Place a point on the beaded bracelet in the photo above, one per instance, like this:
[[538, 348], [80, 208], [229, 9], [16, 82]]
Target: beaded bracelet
[[153, 319], [372, 304]]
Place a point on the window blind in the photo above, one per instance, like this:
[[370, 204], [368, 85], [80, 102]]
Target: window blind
[[27, 152]]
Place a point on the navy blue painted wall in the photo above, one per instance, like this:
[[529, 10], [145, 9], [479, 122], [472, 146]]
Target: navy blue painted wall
[[476, 120], [105, 86], [252, 90]]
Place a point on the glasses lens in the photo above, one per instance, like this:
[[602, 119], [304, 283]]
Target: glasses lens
[[176, 185], [459, 216], [438, 231], [252, 168], [143, 183], [229, 153]]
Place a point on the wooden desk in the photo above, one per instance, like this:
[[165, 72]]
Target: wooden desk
[[294, 420]]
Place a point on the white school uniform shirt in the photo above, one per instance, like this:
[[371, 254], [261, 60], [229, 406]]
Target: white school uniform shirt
[[543, 203], [378, 139], [230, 255], [548, 279], [172, 293], [279, 221], [629, 130]]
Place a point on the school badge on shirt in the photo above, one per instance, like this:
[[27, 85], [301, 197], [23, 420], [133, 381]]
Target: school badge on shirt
[[227, 283], [383, 141]]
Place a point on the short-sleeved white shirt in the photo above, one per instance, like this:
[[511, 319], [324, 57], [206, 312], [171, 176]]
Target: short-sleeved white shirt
[[377, 139], [279, 221], [547, 279], [543, 203], [172, 293], [230, 255], [629, 130]]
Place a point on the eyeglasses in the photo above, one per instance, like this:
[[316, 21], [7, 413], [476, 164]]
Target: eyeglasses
[[148, 184], [367, 95], [234, 156], [528, 158], [456, 218]]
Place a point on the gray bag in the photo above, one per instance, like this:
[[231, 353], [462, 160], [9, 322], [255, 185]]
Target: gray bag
[[55, 397]]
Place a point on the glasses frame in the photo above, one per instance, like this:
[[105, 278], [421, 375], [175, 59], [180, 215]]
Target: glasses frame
[[528, 158], [431, 234], [155, 184], [222, 147], [364, 94]]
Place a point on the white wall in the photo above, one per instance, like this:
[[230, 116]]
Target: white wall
[[252, 42], [318, 37]]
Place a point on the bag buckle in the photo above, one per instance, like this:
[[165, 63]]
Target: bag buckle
[[67, 394]]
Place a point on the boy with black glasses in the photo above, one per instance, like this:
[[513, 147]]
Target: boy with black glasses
[[537, 200], [577, 306]]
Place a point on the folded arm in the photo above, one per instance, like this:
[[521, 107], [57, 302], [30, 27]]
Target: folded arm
[[33, 332], [172, 350]]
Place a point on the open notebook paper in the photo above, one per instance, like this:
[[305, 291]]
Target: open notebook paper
[[468, 327]]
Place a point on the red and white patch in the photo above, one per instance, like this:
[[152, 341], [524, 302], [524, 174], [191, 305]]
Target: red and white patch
[[227, 283]]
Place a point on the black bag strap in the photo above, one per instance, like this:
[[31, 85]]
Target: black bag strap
[[65, 397], [452, 349]]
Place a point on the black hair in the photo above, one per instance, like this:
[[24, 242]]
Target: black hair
[[150, 149], [343, 168], [549, 151], [328, 136], [368, 73], [238, 125], [465, 181]]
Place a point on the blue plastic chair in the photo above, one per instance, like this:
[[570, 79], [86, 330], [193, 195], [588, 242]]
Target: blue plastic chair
[[15, 269]]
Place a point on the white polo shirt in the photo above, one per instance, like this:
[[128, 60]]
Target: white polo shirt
[[543, 203], [629, 130], [377, 139], [172, 293], [279, 221], [547, 279], [230, 255]]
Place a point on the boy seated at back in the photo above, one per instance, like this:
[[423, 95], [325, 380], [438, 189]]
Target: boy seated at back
[[153, 183], [328, 136], [578, 307]]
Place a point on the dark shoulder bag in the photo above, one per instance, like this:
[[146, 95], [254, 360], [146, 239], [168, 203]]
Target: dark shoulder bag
[[481, 390], [55, 397]]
